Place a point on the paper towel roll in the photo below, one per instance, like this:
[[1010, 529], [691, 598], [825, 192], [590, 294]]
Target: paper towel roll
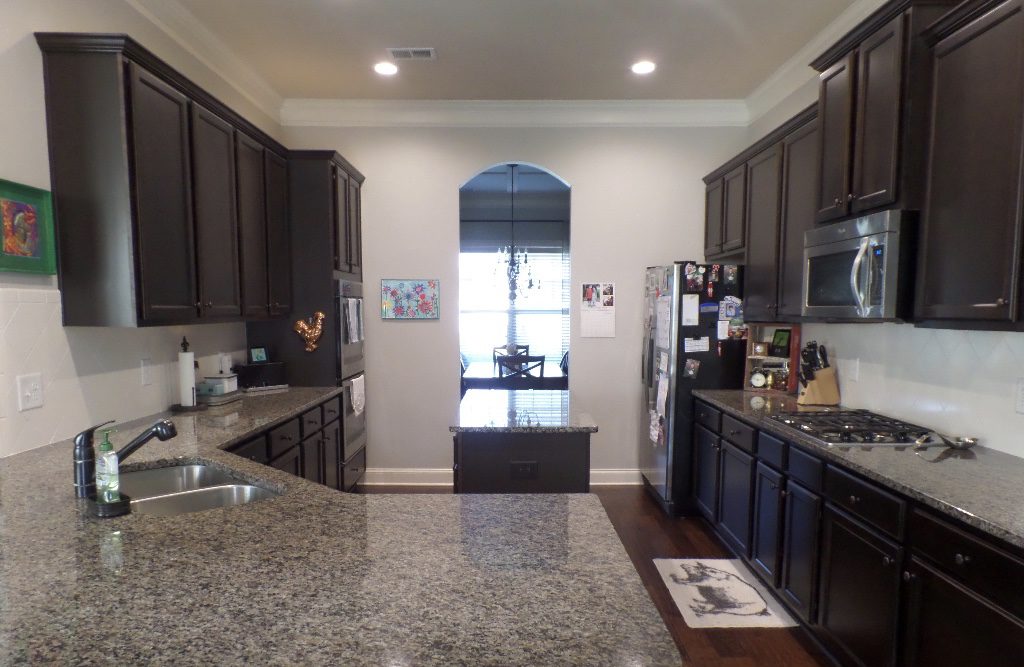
[[187, 378], [225, 363]]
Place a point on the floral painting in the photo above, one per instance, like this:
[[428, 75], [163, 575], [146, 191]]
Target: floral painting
[[412, 299], [26, 229], [21, 228]]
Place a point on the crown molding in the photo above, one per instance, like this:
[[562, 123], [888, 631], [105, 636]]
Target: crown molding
[[514, 113], [189, 32], [796, 71]]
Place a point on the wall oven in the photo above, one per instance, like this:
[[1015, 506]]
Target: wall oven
[[860, 269]]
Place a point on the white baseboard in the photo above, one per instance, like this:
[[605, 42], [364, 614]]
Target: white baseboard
[[443, 476]]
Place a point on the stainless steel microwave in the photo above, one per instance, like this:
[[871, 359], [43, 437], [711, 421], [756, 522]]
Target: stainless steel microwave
[[860, 269]]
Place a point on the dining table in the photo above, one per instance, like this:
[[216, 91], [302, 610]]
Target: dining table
[[485, 375]]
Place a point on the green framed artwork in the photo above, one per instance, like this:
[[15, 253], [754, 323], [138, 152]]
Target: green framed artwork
[[26, 221]]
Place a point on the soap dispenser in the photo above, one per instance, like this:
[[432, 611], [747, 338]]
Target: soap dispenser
[[85, 462], [107, 477]]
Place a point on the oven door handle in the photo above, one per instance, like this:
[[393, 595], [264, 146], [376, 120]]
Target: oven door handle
[[855, 277]]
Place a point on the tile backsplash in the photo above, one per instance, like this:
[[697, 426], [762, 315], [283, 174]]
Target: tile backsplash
[[957, 382], [90, 374]]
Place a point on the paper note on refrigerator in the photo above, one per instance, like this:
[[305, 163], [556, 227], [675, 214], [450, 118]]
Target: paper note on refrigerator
[[723, 329], [654, 429], [691, 310], [659, 402], [663, 312], [697, 344], [663, 362]]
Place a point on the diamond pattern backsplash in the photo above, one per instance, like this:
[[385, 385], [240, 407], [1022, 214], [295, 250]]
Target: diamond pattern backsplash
[[956, 382], [90, 374]]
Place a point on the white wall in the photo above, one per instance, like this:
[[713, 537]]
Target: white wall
[[90, 375], [637, 200]]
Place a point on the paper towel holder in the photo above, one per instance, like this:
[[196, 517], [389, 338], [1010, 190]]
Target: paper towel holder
[[178, 408]]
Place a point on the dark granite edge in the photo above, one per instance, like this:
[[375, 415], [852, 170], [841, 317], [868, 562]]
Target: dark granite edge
[[938, 504], [522, 429]]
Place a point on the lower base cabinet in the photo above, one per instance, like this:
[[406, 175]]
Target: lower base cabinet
[[734, 497], [764, 541], [521, 462], [860, 585], [707, 456], [798, 580], [289, 462], [312, 458]]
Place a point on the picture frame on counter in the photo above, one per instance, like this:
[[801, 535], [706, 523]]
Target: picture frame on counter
[[258, 355], [26, 229]]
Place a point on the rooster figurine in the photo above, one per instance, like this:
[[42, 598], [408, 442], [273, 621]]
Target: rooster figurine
[[310, 330]]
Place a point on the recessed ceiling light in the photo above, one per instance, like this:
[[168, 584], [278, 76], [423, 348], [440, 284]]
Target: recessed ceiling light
[[643, 67], [385, 68]]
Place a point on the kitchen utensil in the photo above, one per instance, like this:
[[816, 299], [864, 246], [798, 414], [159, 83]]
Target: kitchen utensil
[[823, 356], [935, 438]]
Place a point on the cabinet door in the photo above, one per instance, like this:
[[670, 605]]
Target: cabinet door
[[799, 572], [340, 227], [970, 253], [713, 207], [162, 198], [734, 497], [705, 466], [764, 177], [312, 457], [332, 455], [354, 226], [734, 214], [877, 128], [835, 115], [290, 461], [767, 526], [213, 187], [799, 161], [279, 258], [252, 226], [860, 576], [938, 611]]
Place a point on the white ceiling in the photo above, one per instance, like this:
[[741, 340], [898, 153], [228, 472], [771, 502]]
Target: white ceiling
[[516, 49]]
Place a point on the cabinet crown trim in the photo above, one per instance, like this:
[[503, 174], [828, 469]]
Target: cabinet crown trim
[[775, 136]]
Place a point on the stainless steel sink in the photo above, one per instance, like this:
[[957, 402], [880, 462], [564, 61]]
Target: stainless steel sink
[[197, 500], [187, 488]]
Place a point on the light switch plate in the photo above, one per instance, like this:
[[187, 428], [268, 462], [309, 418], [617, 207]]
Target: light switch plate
[[30, 391], [854, 370], [145, 371], [1020, 395]]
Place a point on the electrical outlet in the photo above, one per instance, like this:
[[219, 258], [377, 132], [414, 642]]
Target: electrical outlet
[[1020, 395], [145, 371], [854, 373], [30, 391], [523, 469]]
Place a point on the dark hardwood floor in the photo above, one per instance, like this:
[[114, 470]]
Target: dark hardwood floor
[[647, 534]]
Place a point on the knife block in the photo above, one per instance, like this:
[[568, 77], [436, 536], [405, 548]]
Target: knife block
[[822, 390]]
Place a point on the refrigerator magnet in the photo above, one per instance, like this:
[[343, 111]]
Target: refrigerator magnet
[[713, 275], [730, 272], [691, 368]]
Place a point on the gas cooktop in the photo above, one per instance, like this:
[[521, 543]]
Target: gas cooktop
[[853, 427]]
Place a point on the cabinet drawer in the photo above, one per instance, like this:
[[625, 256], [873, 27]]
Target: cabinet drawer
[[283, 438], [981, 566], [332, 409], [865, 500], [354, 469], [771, 450], [740, 434], [708, 416], [312, 421], [804, 468], [254, 449]]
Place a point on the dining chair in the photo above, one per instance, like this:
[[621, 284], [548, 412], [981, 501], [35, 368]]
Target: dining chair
[[502, 351], [521, 366]]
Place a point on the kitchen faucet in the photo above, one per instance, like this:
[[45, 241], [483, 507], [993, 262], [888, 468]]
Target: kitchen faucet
[[85, 454], [162, 430]]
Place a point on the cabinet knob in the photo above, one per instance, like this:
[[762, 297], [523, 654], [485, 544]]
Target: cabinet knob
[[886, 561], [783, 493], [961, 559], [854, 500], [850, 197], [199, 304], [837, 201], [209, 304], [909, 576]]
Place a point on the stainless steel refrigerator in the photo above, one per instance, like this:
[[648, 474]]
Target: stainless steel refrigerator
[[688, 308]]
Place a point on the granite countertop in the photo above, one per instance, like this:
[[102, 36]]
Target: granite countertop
[[521, 411], [982, 487], [313, 576]]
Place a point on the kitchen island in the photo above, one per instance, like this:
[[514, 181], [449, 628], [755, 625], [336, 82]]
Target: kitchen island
[[521, 441], [313, 576]]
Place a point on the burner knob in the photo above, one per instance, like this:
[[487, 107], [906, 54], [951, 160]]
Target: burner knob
[[901, 436], [845, 436]]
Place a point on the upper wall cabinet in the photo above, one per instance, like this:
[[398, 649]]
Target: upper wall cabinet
[[162, 194], [872, 106], [970, 258]]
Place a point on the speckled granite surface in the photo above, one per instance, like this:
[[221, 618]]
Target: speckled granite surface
[[982, 487], [521, 411], [313, 576]]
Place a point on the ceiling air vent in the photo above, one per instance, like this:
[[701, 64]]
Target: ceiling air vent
[[407, 53]]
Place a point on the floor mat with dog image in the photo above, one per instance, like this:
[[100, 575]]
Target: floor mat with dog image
[[720, 593]]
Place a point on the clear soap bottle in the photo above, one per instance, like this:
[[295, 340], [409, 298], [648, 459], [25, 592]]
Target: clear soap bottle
[[107, 481]]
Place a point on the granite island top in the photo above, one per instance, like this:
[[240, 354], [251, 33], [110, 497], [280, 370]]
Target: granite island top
[[982, 487], [313, 576], [521, 411]]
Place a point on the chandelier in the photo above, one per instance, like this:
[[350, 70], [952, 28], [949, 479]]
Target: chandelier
[[516, 263]]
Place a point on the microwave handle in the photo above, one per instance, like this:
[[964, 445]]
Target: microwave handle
[[855, 277]]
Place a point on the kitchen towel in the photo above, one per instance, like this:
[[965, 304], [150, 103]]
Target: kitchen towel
[[353, 320], [358, 394], [720, 593]]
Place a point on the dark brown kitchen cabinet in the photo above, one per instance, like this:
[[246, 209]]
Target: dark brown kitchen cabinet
[[148, 188], [279, 264], [799, 183], [835, 114], [707, 457], [355, 229], [347, 229], [798, 581], [312, 457], [165, 236], [290, 461], [734, 209], [252, 226], [970, 258], [859, 593], [767, 523], [341, 225], [764, 179], [713, 219], [734, 495], [213, 187], [332, 455]]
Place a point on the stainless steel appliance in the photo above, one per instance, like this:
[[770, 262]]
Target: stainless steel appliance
[[860, 269], [853, 427], [683, 351]]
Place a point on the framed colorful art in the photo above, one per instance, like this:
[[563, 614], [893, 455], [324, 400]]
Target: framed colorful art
[[26, 221], [410, 299]]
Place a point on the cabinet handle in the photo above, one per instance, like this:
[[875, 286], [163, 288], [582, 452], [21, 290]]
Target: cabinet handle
[[783, 493], [854, 500], [772, 485], [734, 432], [199, 304], [1000, 302], [209, 304], [850, 197], [286, 438], [836, 201], [886, 561], [909, 576], [961, 559]]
